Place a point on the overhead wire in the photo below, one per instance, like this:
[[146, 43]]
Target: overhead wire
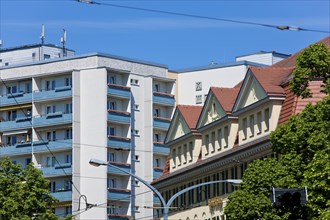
[[279, 27]]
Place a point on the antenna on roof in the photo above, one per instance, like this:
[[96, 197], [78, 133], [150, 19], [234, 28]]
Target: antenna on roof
[[63, 41], [42, 34]]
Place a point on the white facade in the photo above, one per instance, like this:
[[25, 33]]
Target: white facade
[[60, 113], [193, 84]]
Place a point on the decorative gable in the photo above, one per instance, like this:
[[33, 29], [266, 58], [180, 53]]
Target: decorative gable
[[178, 128], [251, 92], [212, 111]]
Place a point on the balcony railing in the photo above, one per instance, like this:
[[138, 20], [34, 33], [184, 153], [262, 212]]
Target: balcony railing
[[160, 148], [163, 98], [161, 123], [52, 119], [18, 123], [41, 146], [158, 171], [58, 170], [119, 194], [119, 91], [16, 98], [123, 166], [57, 93], [120, 117], [119, 143], [17, 149], [118, 217], [63, 196]]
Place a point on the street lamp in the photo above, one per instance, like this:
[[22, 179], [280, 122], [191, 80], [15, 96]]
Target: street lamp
[[96, 162]]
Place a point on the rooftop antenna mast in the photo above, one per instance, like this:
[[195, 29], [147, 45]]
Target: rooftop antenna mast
[[63, 41], [42, 34]]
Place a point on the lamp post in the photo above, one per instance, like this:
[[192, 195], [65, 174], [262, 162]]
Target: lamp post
[[96, 162]]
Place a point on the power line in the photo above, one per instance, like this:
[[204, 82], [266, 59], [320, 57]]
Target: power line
[[279, 27]]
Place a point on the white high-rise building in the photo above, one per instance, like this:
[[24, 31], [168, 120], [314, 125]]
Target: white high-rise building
[[59, 113]]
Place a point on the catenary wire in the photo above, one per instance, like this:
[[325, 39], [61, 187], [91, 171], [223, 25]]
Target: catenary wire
[[280, 27]]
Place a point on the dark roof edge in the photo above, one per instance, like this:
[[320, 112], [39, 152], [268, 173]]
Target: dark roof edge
[[28, 46]]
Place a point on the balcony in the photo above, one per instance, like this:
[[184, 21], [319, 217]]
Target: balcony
[[58, 170], [41, 146], [162, 98], [17, 149], [18, 123], [63, 196], [161, 149], [52, 119], [16, 98], [124, 166], [161, 123], [119, 117], [119, 91], [58, 93], [119, 143], [158, 171], [119, 194]]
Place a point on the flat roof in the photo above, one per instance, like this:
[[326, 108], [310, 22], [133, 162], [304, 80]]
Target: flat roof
[[53, 60], [29, 46], [264, 52], [216, 66]]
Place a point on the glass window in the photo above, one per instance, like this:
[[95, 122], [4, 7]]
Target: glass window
[[251, 125], [198, 86], [207, 143], [191, 148], [111, 131], [199, 99], [226, 134], [266, 116], [220, 139], [259, 121], [68, 81], [174, 157], [157, 87], [213, 142], [244, 128]]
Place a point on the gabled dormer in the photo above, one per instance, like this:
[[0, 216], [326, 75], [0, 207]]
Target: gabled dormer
[[251, 92], [218, 105], [183, 122]]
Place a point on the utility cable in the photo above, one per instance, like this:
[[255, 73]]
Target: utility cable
[[279, 27]]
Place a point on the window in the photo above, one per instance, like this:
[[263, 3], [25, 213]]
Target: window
[[46, 56], [266, 117], [174, 158], [220, 139], [111, 156], [6, 63], [259, 121], [68, 134], [135, 132], [111, 79], [28, 161], [53, 186], [112, 105], [157, 112], [137, 158], [156, 137], [191, 146], [51, 136], [212, 142], [68, 108], [50, 85], [51, 109], [68, 210], [185, 153], [199, 99], [136, 107], [207, 143], [54, 135], [244, 128], [179, 155], [198, 86], [226, 134], [50, 161], [112, 209], [157, 162], [11, 90], [251, 125], [112, 183], [134, 82], [67, 185], [28, 88], [68, 158], [12, 115], [68, 81], [157, 87], [111, 131]]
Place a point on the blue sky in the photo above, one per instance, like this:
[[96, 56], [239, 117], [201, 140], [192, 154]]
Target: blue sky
[[178, 42]]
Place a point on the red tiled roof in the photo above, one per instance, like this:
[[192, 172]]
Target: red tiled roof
[[293, 104], [291, 61], [272, 78], [226, 97], [190, 114], [166, 170]]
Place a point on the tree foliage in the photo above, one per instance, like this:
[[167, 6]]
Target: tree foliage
[[303, 144], [313, 62], [24, 194]]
